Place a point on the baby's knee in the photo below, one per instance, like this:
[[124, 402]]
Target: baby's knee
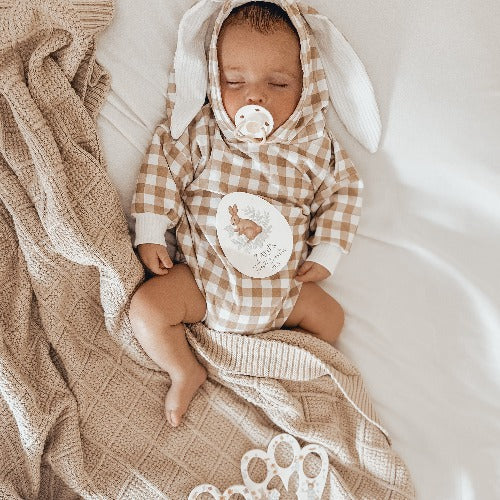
[[335, 320], [330, 314], [148, 309], [140, 308], [317, 312]]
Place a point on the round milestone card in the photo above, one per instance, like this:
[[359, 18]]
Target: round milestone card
[[254, 236]]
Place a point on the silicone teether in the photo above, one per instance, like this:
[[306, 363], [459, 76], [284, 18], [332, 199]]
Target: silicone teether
[[253, 123]]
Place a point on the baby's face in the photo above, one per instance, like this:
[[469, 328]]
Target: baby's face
[[258, 68]]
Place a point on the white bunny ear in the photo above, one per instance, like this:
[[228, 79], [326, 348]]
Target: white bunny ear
[[190, 64], [350, 88]]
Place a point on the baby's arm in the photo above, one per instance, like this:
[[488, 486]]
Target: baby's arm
[[336, 209], [157, 204]]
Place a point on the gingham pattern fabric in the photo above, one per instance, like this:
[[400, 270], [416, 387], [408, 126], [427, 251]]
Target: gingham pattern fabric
[[301, 170]]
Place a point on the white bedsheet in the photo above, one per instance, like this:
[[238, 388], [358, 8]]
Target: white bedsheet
[[421, 287]]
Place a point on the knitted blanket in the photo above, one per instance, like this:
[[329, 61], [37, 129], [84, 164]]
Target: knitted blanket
[[81, 406]]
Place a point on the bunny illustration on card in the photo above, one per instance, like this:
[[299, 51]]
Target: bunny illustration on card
[[254, 236], [244, 226]]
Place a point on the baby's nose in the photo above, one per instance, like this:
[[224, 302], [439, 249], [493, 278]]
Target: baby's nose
[[256, 95]]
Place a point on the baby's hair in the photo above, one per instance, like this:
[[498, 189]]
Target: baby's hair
[[265, 17]]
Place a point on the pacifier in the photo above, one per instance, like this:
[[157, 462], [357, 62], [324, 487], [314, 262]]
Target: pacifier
[[253, 123]]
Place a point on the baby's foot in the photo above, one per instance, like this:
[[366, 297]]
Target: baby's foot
[[181, 393]]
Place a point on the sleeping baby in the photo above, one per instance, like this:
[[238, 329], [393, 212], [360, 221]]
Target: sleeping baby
[[262, 198]]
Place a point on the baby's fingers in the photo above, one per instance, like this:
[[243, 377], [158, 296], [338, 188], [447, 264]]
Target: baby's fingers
[[155, 265], [311, 271], [303, 270], [306, 276], [164, 261]]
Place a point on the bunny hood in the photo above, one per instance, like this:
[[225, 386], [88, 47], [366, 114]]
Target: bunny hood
[[307, 122], [326, 57]]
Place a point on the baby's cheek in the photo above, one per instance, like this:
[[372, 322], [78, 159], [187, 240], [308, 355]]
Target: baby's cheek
[[230, 105], [287, 107], [282, 116]]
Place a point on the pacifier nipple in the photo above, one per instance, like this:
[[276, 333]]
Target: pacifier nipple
[[253, 123]]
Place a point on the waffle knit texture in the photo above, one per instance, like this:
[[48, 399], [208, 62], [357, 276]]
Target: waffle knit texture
[[81, 405]]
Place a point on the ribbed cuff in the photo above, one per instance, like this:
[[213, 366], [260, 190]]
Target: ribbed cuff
[[327, 255], [150, 228]]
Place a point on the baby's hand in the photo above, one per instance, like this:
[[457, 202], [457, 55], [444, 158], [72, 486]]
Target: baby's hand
[[311, 271], [155, 257]]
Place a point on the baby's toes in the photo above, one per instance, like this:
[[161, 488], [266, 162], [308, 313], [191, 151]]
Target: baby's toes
[[176, 417], [173, 411]]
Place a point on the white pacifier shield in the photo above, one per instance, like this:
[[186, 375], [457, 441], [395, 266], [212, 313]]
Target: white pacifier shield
[[253, 121], [254, 236]]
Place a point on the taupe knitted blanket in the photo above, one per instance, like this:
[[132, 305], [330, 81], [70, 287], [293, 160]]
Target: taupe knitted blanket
[[81, 406]]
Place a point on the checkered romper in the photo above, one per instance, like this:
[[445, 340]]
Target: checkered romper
[[301, 170]]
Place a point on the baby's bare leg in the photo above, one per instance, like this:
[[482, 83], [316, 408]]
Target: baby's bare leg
[[158, 310], [317, 312]]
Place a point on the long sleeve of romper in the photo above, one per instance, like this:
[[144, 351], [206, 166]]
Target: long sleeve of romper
[[165, 171], [335, 210]]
